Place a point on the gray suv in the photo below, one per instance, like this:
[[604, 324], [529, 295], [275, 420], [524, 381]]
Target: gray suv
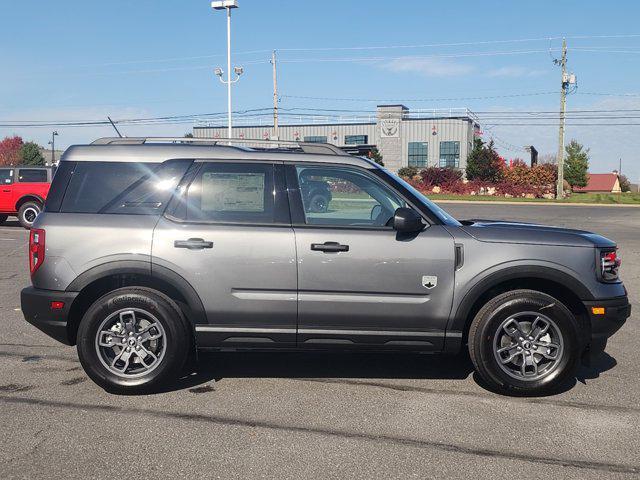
[[149, 249]]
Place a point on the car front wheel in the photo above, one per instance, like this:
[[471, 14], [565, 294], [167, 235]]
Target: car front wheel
[[133, 340], [524, 342]]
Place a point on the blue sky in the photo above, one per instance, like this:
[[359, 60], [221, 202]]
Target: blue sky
[[83, 60]]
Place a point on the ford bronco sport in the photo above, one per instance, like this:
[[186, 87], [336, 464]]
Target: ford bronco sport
[[149, 249], [23, 190]]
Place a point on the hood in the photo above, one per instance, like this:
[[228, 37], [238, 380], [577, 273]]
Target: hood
[[519, 232]]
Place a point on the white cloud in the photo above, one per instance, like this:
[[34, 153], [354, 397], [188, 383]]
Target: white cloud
[[428, 67], [514, 71]]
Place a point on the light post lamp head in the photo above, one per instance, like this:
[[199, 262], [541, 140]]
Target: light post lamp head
[[219, 72], [221, 5], [238, 70], [55, 133]]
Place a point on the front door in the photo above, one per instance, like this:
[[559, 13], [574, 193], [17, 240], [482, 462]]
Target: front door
[[230, 237], [361, 282], [7, 203]]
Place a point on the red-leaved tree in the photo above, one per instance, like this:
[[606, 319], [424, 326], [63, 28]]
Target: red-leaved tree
[[10, 150]]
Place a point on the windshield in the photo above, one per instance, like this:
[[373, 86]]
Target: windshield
[[437, 211]]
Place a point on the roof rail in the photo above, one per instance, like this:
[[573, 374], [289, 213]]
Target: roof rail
[[306, 147]]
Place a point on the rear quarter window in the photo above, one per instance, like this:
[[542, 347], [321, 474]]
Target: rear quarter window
[[120, 187], [32, 175]]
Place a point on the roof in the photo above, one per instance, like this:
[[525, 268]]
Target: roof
[[599, 182], [153, 153]]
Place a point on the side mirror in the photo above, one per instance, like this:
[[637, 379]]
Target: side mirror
[[407, 220]]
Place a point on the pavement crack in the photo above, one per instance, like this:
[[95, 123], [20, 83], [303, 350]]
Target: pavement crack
[[343, 434]]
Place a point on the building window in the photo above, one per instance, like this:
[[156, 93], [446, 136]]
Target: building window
[[316, 139], [450, 154], [356, 139], [418, 154]]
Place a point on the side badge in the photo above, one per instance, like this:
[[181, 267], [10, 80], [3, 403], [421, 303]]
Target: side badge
[[429, 281]]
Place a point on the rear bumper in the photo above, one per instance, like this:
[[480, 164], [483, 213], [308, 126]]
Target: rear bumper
[[36, 308], [616, 312]]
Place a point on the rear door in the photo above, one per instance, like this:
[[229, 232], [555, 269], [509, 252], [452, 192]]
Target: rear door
[[6, 190], [361, 283], [229, 235]]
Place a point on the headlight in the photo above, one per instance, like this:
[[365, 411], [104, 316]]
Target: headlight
[[609, 265]]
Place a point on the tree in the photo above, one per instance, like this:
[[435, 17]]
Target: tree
[[188, 135], [625, 184], [576, 165], [376, 156], [30, 154], [10, 150], [484, 163]]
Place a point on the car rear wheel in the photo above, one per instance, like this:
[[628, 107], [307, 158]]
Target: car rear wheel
[[3, 218], [28, 212], [133, 340], [524, 342]]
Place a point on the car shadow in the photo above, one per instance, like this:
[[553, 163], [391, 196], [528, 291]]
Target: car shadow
[[11, 222], [217, 366]]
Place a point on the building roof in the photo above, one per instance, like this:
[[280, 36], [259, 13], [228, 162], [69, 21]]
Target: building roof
[[599, 182]]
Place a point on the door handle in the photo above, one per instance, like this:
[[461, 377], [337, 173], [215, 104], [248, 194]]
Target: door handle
[[329, 247], [6, 191], [193, 244]]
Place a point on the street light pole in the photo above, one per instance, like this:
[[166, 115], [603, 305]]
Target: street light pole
[[228, 5], [53, 146]]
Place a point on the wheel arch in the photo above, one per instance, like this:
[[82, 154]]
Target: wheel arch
[[30, 197], [558, 284], [104, 278]]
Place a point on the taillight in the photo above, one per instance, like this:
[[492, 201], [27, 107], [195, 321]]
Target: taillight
[[609, 265], [36, 249]]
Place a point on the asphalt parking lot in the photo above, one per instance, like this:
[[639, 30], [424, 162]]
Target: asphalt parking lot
[[322, 416]]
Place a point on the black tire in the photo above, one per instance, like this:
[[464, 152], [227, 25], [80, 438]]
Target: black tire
[[488, 324], [28, 212], [318, 203], [177, 340], [3, 218]]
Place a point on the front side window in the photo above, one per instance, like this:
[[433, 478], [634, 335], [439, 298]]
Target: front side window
[[32, 175], [418, 154], [344, 196], [232, 192], [316, 139], [356, 139], [450, 154], [6, 176]]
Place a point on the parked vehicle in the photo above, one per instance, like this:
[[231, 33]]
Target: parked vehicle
[[148, 251], [23, 191]]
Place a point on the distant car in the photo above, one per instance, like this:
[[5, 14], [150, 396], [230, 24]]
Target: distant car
[[23, 191]]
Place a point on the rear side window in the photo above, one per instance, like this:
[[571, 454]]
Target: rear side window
[[232, 192], [6, 176], [122, 187], [32, 175]]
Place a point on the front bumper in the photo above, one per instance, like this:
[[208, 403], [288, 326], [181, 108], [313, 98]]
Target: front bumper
[[36, 308], [616, 312]]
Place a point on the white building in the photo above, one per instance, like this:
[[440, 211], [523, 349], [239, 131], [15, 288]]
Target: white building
[[423, 138]]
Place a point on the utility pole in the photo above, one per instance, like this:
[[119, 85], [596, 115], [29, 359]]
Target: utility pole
[[563, 104], [275, 95]]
